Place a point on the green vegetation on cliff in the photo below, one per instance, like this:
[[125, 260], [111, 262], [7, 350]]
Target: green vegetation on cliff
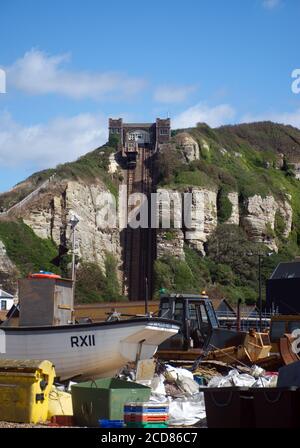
[[32, 254], [230, 269], [252, 159], [90, 167], [29, 252], [244, 157], [93, 286]]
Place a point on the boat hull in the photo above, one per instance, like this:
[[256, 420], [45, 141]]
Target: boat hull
[[87, 350]]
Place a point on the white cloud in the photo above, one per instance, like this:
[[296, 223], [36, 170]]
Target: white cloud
[[169, 94], [44, 145], [291, 118], [213, 116], [38, 73], [271, 4]]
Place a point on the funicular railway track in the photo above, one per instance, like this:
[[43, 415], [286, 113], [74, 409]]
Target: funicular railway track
[[139, 243]]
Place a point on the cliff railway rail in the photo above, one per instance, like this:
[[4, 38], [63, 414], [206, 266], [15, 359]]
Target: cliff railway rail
[[139, 247], [138, 143]]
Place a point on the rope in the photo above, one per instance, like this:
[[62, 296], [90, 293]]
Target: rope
[[57, 398], [221, 405], [229, 356]]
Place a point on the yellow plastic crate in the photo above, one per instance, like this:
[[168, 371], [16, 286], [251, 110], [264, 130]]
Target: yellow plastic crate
[[24, 390]]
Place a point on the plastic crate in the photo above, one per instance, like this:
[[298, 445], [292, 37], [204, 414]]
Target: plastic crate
[[62, 420], [146, 418], [111, 423], [146, 425], [104, 399], [147, 407]]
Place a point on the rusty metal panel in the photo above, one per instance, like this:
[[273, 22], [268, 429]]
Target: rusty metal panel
[[36, 301], [45, 301]]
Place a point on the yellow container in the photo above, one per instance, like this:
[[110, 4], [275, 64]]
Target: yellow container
[[24, 390], [60, 403]]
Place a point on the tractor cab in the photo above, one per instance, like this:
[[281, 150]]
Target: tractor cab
[[200, 329], [196, 315]]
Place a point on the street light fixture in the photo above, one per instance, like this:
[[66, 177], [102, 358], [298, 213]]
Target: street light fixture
[[260, 257], [74, 220]]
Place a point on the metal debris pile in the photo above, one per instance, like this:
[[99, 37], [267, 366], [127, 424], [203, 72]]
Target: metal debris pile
[[181, 387]]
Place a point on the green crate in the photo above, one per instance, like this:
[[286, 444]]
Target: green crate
[[104, 399], [146, 425]]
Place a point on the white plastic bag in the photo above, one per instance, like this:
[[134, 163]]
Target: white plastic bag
[[234, 378], [157, 385], [187, 411], [183, 378]]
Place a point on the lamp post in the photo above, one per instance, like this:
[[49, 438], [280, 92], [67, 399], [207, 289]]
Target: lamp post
[[260, 257], [73, 223], [259, 292]]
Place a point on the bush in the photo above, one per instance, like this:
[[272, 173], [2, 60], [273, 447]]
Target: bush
[[93, 286], [224, 205], [112, 287], [169, 235], [167, 165], [114, 140], [90, 284], [224, 275], [229, 245], [279, 226], [287, 168]]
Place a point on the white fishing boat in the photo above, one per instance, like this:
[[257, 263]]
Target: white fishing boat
[[87, 350], [46, 329]]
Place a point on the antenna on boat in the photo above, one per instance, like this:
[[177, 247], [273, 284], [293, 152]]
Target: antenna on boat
[[73, 223]]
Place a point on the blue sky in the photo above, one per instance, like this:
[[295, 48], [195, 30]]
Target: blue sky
[[70, 64]]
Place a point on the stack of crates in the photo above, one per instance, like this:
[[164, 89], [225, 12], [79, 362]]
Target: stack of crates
[[146, 415]]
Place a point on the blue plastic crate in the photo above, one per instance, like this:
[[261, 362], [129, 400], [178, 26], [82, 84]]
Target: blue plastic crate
[[104, 423], [145, 408], [139, 410]]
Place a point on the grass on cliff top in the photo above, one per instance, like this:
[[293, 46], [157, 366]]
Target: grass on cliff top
[[88, 168], [92, 166], [29, 252], [241, 158], [24, 188], [264, 136]]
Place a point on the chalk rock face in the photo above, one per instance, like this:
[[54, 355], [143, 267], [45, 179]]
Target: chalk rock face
[[169, 215], [235, 215], [259, 221], [203, 216], [49, 217], [193, 219], [189, 146], [113, 164], [170, 243]]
